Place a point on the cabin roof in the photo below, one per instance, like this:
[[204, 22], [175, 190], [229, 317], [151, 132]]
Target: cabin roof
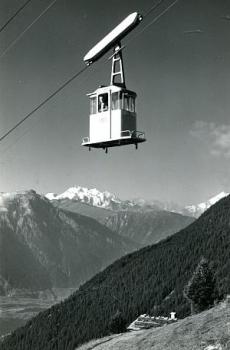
[[112, 88]]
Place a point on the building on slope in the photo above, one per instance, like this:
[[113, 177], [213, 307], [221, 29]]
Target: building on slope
[[145, 322]]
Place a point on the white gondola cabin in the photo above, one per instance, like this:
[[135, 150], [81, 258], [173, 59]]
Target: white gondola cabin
[[113, 107]]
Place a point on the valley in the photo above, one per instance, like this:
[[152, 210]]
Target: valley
[[62, 249], [150, 280], [16, 310]]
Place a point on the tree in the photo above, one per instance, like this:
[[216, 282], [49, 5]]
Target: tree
[[201, 289], [117, 323]]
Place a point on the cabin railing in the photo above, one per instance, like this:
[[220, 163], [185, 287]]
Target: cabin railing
[[85, 140], [134, 133], [124, 134]]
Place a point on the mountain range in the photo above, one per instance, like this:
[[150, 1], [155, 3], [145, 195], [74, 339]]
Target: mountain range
[[109, 201], [42, 246], [150, 280], [138, 220], [92, 197], [58, 242]]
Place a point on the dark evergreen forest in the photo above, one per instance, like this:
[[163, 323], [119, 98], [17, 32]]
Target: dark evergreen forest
[[150, 280]]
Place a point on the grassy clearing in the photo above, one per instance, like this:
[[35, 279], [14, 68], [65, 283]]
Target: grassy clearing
[[209, 330]]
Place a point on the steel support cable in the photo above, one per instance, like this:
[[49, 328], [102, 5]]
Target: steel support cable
[[80, 72], [14, 15], [27, 28], [155, 19], [95, 70], [43, 103], [154, 7]]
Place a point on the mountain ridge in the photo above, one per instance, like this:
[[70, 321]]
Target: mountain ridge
[[147, 227], [139, 221], [110, 201], [54, 247], [150, 281], [198, 209]]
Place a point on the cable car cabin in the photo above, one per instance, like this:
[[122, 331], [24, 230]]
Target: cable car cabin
[[112, 108], [112, 118]]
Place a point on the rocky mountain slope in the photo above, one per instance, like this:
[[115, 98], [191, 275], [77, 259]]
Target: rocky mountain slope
[[150, 280], [139, 220], [146, 227], [42, 246], [78, 207], [208, 330]]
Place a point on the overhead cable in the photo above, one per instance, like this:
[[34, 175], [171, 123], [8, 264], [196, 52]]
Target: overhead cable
[[81, 71], [154, 7], [43, 103], [27, 28], [14, 15], [155, 19]]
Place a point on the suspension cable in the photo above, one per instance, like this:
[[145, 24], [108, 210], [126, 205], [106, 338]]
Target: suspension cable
[[43, 103], [154, 7], [83, 69], [14, 15], [27, 28], [155, 19]]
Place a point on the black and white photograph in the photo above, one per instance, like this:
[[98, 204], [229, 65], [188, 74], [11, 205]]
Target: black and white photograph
[[115, 175]]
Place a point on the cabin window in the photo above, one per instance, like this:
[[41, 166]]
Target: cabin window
[[116, 100], [128, 102], [93, 105], [102, 102], [132, 104]]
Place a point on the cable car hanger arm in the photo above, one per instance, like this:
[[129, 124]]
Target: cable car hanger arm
[[113, 38]]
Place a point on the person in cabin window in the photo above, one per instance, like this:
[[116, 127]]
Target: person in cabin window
[[102, 103]]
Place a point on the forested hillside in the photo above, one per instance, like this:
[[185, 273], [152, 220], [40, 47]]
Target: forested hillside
[[150, 280], [205, 331]]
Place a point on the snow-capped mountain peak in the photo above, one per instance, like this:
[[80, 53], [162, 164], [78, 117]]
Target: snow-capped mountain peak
[[51, 196], [108, 200], [197, 210], [216, 198], [89, 196]]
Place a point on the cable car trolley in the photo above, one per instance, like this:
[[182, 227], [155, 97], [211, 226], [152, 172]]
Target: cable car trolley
[[112, 120]]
